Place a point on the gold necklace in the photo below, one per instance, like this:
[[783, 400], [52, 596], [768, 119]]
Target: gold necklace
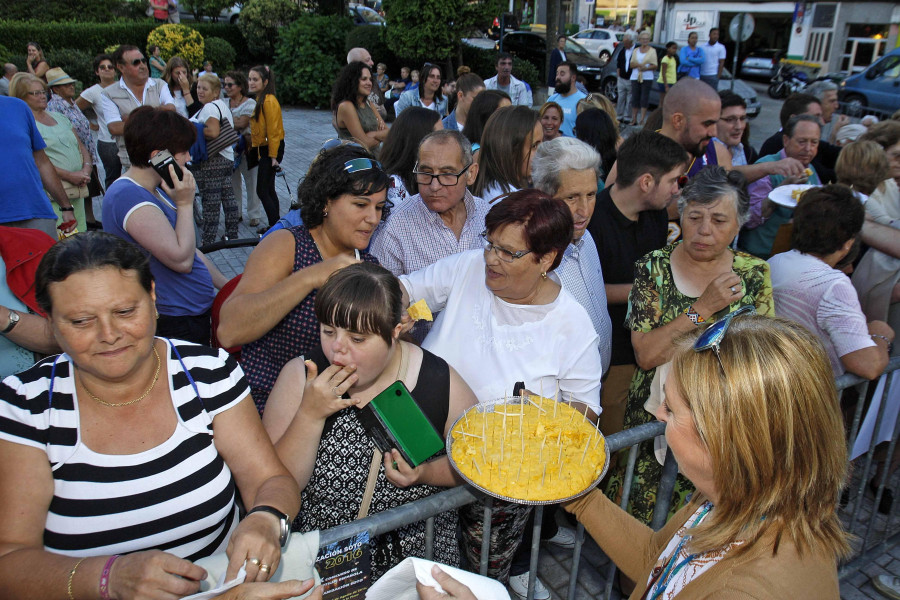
[[136, 400]]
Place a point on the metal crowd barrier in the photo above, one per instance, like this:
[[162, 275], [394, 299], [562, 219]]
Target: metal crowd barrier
[[865, 547]]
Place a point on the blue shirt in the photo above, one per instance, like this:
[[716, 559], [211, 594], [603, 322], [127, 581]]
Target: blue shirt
[[177, 294], [22, 194], [411, 98], [581, 276], [13, 358], [568, 104], [450, 123], [690, 61]]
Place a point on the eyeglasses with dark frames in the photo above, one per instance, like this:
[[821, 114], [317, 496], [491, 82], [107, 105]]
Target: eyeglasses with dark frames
[[712, 337], [138, 61], [229, 84], [503, 254], [445, 179]]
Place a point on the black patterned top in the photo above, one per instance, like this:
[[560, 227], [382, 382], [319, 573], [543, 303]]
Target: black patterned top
[[335, 489]]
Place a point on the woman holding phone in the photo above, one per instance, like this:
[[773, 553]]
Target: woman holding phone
[[313, 416], [144, 208]]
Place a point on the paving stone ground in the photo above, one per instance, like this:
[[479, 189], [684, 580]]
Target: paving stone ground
[[305, 131]]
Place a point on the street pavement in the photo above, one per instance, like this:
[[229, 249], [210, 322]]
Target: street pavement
[[306, 130]]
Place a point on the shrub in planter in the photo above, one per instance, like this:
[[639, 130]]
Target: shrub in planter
[[219, 53], [178, 40], [308, 57]]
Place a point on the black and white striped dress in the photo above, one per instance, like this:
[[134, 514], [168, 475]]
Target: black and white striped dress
[[178, 497]]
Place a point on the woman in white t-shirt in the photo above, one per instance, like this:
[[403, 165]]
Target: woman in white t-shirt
[[643, 64], [214, 173], [105, 68]]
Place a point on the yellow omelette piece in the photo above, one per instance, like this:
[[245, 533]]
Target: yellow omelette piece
[[540, 451], [420, 311]]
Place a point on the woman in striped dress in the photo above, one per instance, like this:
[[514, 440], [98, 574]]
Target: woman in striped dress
[[100, 458]]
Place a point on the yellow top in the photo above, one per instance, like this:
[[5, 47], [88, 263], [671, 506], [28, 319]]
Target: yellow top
[[671, 68], [268, 129]]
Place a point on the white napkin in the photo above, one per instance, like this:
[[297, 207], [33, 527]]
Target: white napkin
[[298, 560], [400, 582]]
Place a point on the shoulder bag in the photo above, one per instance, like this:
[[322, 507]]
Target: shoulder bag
[[227, 136]]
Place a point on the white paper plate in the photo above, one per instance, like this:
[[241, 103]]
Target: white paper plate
[[782, 194]]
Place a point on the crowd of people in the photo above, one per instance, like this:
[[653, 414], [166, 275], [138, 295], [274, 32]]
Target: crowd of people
[[643, 272]]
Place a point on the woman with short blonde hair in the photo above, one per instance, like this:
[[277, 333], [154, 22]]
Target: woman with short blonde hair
[[862, 166], [767, 457]]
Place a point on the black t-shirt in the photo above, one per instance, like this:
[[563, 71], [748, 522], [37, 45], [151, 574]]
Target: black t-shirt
[[620, 243]]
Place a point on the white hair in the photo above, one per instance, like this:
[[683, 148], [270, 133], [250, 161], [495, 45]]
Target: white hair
[[558, 155]]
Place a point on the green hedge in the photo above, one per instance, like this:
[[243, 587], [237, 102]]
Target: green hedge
[[92, 38], [219, 53], [308, 57]]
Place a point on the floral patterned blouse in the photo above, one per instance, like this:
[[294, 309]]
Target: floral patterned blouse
[[655, 301], [79, 122]]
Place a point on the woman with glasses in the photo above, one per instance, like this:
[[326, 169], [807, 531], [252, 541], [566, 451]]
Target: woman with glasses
[[177, 75], [313, 416], [242, 107], [70, 158], [401, 148], [271, 312], [427, 94], [509, 140], [677, 289], [505, 318], [355, 118], [767, 457], [105, 69]]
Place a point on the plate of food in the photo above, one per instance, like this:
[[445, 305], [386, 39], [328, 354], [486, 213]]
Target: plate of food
[[788, 195], [528, 449]]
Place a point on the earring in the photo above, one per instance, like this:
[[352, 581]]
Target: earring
[[324, 213], [544, 274], [157, 313]]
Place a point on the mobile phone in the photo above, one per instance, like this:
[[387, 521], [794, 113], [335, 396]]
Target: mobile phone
[[160, 164], [395, 420]]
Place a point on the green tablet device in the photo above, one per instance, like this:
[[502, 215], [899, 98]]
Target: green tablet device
[[395, 420]]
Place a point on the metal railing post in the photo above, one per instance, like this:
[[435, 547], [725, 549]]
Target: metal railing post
[[486, 537], [535, 549], [664, 491]]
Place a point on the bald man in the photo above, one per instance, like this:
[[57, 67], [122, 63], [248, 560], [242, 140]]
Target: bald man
[[691, 111], [360, 55]]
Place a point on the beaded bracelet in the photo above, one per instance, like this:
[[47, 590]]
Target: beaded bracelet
[[104, 577], [72, 578]]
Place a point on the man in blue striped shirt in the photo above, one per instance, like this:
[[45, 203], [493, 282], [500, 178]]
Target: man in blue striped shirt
[[566, 169]]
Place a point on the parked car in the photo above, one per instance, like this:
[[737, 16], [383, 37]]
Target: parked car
[[762, 62], [228, 15], [479, 39], [363, 15], [532, 47], [598, 41], [608, 83], [877, 89]]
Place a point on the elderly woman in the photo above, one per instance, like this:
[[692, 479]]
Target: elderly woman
[[142, 208], [313, 415], [93, 509], [214, 173], [551, 116], [355, 118], [71, 159], [679, 288], [763, 523], [504, 317], [271, 312], [510, 137]]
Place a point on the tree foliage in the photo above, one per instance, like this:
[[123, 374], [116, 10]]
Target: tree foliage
[[433, 30], [64, 10], [219, 53], [261, 22], [309, 55], [205, 8]]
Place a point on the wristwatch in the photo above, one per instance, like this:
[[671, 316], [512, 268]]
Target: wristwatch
[[285, 520], [13, 321]]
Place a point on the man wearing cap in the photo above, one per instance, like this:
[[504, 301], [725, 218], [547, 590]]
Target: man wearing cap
[[134, 89]]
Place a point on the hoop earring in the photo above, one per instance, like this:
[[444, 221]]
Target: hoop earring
[[324, 213]]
